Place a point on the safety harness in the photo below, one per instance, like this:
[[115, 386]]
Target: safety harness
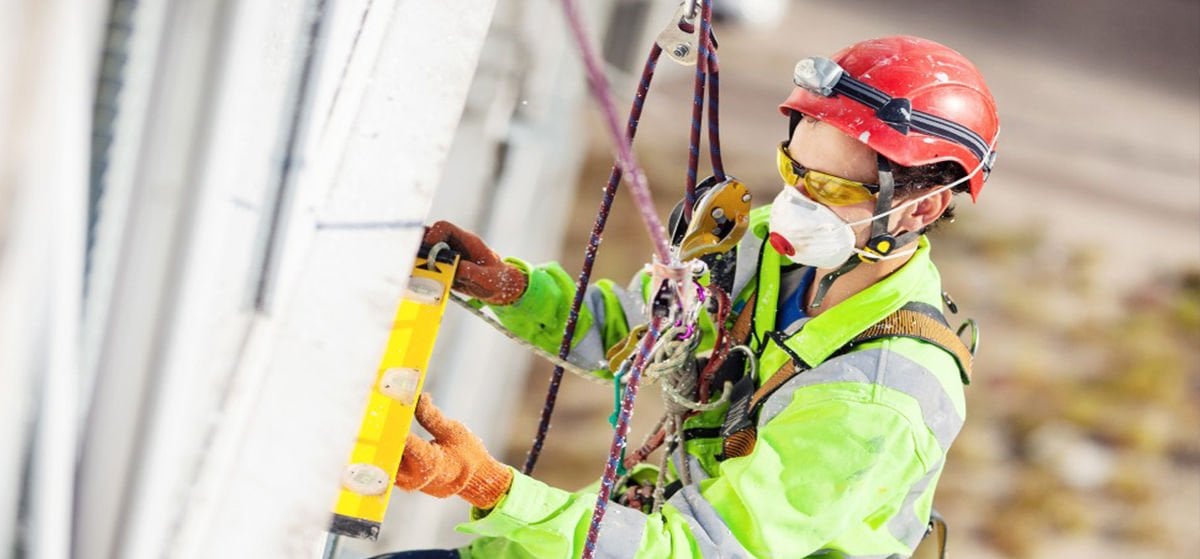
[[914, 320]]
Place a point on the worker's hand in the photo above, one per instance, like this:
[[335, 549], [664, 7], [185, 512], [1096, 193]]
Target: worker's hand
[[455, 462], [481, 272]]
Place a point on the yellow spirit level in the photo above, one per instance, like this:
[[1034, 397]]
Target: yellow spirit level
[[366, 483]]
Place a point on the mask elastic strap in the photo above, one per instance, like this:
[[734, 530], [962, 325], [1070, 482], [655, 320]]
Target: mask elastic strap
[[978, 168], [881, 242], [886, 178], [828, 279], [879, 245], [794, 118]]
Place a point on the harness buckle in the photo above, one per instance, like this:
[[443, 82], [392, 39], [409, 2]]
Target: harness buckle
[[974, 334]]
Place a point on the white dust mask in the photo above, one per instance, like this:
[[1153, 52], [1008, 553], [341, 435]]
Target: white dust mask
[[808, 232], [812, 234]]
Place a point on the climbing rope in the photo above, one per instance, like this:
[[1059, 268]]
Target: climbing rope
[[714, 128], [706, 65], [589, 260], [658, 495], [619, 435], [625, 158], [673, 363], [675, 308]]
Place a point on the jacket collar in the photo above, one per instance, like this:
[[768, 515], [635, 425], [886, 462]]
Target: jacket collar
[[831, 330]]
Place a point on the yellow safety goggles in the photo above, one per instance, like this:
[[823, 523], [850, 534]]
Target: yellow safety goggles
[[822, 187]]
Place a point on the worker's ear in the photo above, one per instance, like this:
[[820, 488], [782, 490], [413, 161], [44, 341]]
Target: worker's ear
[[917, 216]]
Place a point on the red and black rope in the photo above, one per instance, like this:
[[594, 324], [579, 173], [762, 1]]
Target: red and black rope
[[589, 260], [707, 69], [627, 166]]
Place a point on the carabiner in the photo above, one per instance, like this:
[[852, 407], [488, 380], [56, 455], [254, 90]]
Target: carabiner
[[974, 334]]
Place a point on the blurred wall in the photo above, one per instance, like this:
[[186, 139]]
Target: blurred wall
[[47, 69], [262, 173]]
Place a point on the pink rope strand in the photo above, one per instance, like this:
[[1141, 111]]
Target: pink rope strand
[[633, 173]]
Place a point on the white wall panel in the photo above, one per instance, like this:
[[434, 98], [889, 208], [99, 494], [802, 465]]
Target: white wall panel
[[353, 227], [223, 411], [515, 161], [46, 53]]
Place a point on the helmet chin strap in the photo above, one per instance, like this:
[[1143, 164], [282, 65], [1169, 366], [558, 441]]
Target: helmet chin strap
[[881, 244]]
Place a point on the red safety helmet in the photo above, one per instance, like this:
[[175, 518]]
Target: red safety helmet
[[912, 100]]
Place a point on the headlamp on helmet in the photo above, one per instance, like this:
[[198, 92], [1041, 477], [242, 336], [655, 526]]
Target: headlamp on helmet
[[912, 100], [817, 74]]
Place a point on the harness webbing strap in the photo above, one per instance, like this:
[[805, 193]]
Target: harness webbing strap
[[741, 325], [916, 322], [784, 374], [913, 320]]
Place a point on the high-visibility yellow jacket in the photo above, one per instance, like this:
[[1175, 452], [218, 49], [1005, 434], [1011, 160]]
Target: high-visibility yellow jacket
[[847, 456]]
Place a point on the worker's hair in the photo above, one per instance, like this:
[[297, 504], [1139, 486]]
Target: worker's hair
[[911, 180]]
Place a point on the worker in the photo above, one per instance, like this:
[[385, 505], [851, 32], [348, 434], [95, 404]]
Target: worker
[[846, 447]]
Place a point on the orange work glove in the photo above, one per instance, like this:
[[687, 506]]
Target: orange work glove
[[454, 463], [481, 272]]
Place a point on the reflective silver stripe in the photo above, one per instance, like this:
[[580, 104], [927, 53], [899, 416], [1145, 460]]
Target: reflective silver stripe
[[697, 471], [621, 532], [885, 368], [746, 268], [589, 352], [712, 536], [905, 525], [632, 303], [796, 326]]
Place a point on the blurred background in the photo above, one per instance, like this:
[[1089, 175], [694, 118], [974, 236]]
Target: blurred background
[[208, 210], [1081, 438], [1079, 260]]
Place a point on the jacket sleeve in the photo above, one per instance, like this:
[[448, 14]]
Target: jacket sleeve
[[828, 460], [540, 315]]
